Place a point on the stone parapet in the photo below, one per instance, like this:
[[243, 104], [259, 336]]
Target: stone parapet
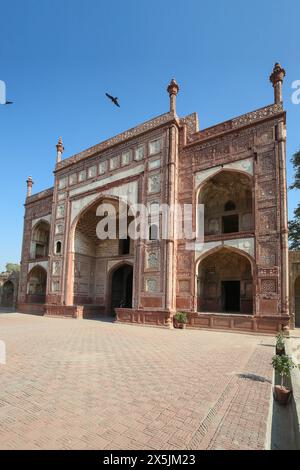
[[70, 311], [35, 309], [143, 317]]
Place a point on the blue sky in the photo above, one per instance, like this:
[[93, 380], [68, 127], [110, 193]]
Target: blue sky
[[59, 57]]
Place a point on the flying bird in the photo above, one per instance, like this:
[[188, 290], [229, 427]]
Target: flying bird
[[8, 102], [114, 100]]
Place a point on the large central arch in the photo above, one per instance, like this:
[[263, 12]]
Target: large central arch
[[93, 259]]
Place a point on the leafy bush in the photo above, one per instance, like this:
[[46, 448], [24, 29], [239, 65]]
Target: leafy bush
[[280, 340], [283, 365], [180, 317]]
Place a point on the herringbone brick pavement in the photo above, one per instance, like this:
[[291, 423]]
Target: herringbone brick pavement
[[84, 384]]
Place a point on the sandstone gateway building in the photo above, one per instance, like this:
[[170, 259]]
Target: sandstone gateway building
[[239, 280]]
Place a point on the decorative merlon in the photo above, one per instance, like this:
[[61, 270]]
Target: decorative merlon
[[240, 121]]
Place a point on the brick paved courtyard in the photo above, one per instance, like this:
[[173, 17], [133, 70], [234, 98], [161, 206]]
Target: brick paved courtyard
[[84, 384]]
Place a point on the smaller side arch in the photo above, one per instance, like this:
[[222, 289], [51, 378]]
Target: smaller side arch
[[36, 285], [229, 248], [38, 222], [40, 237], [227, 199], [7, 294], [201, 185], [225, 281]]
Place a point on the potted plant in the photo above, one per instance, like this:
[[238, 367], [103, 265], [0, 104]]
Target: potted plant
[[280, 346], [283, 365], [180, 320]]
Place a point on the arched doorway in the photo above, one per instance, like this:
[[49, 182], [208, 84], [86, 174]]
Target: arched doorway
[[297, 302], [121, 287], [7, 298], [225, 283], [36, 289]]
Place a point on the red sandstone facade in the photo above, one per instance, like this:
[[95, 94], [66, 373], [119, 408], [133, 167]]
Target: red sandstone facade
[[239, 280]]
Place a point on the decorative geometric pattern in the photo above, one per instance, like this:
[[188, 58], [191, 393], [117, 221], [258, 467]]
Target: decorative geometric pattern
[[92, 171], [151, 285], [56, 268], [268, 285], [154, 183], [153, 259], [60, 211]]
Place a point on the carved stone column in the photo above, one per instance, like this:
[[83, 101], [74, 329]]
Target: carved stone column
[[170, 272], [281, 139]]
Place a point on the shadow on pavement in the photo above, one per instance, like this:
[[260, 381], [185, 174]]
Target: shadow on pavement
[[7, 310], [255, 377], [105, 319]]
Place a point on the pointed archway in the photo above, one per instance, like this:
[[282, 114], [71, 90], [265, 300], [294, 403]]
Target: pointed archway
[[228, 206], [96, 254], [36, 288], [40, 240], [7, 297], [225, 283]]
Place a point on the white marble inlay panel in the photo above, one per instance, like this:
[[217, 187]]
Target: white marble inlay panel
[[243, 244], [47, 218], [242, 165], [127, 192], [109, 179], [44, 265], [112, 263]]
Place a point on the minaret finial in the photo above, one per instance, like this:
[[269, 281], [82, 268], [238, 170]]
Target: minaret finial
[[173, 89], [276, 78], [29, 183], [59, 148]]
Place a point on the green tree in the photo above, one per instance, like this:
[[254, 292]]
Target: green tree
[[294, 225], [12, 267]]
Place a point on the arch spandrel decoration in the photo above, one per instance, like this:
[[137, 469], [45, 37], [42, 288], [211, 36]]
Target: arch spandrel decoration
[[42, 263], [127, 192], [111, 264], [242, 244], [242, 165], [44, 218]]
